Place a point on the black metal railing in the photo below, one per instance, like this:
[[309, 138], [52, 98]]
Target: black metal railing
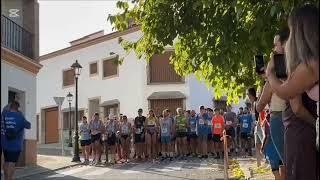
[[15, 37]]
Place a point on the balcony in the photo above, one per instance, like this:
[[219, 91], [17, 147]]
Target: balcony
[[16, 38]]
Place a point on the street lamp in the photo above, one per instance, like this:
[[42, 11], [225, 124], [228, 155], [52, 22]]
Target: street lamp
[[77, 69], [69, 98]]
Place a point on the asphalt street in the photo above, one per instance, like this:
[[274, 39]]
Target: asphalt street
[[191, 169]]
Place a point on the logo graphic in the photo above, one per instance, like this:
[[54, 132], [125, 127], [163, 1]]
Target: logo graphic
[[14, 13]]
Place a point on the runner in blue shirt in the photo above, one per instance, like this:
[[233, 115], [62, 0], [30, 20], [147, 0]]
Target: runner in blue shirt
[[12, 136], [192, 132], [202, 127], [210, 141], [245, 130]]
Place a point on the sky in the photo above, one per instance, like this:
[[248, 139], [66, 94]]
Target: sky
[[63, 21]]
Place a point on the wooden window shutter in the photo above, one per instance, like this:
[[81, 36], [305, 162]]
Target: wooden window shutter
[[110, 68], [68, 77], [161, 70], [94, 68]]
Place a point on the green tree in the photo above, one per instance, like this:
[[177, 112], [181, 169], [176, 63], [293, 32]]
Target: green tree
[[214, 39]]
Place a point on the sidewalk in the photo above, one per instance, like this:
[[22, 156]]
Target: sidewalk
[[44, 164], [252, 172]]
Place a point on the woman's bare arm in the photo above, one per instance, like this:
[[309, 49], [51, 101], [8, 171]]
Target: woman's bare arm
[[264, 98], [302, 79]]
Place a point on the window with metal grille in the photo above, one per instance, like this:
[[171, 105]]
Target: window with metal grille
[[93, 68], [161, 71], [68, 77], [110, 67]]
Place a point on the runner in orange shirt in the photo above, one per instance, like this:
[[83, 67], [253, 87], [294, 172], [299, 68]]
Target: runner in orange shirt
[[217, 130]]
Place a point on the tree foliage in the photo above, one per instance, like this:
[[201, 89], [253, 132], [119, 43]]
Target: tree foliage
[[214, 39]]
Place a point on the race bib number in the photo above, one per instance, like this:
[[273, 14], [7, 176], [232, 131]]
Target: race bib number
[[138, 131], [164, 130], [201, 121], [217, 126], [193, 129], [125, 129], [245, 125], [228, 123], [209, 123]]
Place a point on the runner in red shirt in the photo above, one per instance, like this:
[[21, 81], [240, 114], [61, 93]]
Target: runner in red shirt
[[217, 130]]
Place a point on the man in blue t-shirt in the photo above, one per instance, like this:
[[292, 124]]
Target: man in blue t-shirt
[[12, 136], [202, 132], [246, 123]]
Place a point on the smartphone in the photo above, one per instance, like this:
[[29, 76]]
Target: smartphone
[[280, 66], [259, 64]]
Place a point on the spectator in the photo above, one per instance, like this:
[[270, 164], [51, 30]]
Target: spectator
[[302, 55], [269, 150], [12, 134], [277, 105], [258, 134]]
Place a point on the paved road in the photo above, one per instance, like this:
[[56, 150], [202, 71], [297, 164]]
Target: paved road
[[191, 169]]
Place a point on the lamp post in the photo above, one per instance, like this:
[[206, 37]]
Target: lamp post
[[69, 98], [77, 69]]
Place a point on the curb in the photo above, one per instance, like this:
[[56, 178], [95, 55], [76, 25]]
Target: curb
[[45, 171]]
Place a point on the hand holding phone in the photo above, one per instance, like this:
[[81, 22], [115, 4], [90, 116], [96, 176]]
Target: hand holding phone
[[259, 64], [280, 66]]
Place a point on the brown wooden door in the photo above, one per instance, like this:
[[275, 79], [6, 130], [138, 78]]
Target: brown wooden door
[[51, 126], [159, 105]]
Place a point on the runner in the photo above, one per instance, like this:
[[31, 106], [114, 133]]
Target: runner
[[158, 144], [231, 123], [238, 133], [125, 131], [172, 148], [210, 142], [217, 132], [85, 139], [246, 124], [166, 127], [112, 128], [151, 135], [187, 115], [202, 132], [118, 141], [181, 129], [105, 140], [192, 132], [96, 128], [139, 124]]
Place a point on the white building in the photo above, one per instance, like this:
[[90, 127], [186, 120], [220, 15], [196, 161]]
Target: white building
[[108, 88], [19, 65]]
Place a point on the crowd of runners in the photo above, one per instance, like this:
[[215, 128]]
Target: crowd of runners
[[187, 134]]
